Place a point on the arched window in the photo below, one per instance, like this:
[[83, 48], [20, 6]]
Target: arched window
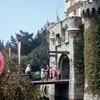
[[58, 35], [88, 11], [83, 12], [99, 10], [93, 11], [58, 38]]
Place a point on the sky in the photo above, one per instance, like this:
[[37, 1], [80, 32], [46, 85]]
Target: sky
[[27, 15]]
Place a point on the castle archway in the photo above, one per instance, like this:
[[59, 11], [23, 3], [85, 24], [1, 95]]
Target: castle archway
[[64, 67]]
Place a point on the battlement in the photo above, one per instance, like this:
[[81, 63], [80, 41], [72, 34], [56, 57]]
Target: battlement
[[90, 8], [59, 32]]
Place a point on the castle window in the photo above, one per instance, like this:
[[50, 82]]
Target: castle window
[[93, 11], [57, 35], [83, 12], [58, 38], [76, 22], [99, 10], [88, 12], [90, 1]]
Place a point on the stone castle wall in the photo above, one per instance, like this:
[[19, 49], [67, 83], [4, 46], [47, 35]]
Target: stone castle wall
[[61, 38]]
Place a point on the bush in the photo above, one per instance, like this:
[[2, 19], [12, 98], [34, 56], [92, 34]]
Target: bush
[[11, 85]]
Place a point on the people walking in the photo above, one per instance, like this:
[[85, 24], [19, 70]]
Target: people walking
[[47, 72], [51, 73], [42, 73], [28, 71], [55, 73], [59, 75]]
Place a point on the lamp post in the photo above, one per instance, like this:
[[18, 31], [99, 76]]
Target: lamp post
[[19, 49]]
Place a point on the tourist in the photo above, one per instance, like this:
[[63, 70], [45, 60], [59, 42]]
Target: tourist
[[28, 71], [50, 72], [42, 73], [47, 72], [59, 74], [55, 73]]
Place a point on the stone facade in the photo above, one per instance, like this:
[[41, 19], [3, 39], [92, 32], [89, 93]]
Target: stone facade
[[62, 37]]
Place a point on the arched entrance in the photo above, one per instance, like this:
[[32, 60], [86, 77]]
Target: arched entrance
[[63, 66]]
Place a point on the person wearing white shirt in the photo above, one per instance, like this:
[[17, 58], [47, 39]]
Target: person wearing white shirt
[[28, 71]]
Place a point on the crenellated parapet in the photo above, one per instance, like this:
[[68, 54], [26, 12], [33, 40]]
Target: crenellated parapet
[[90, 8], [59, 32]]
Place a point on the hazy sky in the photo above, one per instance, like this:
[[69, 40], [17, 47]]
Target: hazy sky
[[27, 15]]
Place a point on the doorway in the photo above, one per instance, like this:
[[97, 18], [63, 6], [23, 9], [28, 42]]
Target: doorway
[[64, 66]]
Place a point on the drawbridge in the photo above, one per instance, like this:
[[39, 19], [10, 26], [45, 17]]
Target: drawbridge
[[50, 82]]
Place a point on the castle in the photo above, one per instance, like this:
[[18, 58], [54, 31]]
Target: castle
[[64, 37]]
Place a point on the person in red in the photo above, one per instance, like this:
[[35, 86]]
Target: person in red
[[55, 73], [51, 73]]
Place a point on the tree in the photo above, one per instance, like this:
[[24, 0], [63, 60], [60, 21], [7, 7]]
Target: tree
[[39, 56], [27, 42], [11, 85], [1, 45]]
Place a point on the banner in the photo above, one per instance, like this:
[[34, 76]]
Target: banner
[[9, 52], [19, 52]]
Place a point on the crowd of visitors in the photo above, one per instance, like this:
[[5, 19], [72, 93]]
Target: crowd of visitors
[[49, 73]]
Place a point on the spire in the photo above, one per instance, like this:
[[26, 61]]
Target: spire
[[57, 17]]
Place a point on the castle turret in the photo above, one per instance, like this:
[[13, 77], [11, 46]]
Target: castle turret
[[74, 23], [90, 12], [90, 8]]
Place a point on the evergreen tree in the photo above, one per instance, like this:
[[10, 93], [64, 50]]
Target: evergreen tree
[[38, 57], [1, 45], [27, 42]]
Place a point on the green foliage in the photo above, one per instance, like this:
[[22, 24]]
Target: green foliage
[[11, 85], [36, 76], [79, 60], [1, 45], [33, 50], [38, 56], [92, 56], [27, 42]]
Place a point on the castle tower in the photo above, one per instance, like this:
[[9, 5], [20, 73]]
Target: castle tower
[[89, 10]]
